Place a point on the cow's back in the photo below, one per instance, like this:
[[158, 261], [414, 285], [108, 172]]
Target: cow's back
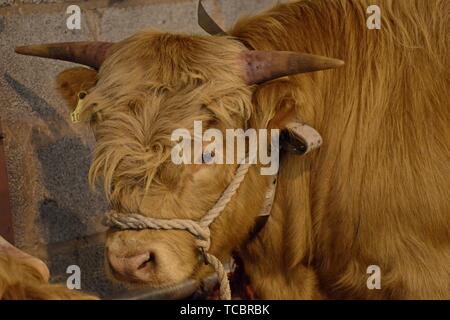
[[380, 183]]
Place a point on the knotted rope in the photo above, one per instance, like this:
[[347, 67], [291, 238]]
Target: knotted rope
[[200, 229]]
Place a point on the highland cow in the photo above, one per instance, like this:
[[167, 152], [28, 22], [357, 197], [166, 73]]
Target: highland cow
[[376, 193]]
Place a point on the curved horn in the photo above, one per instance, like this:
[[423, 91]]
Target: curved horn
[[262, 66], [89, 53]]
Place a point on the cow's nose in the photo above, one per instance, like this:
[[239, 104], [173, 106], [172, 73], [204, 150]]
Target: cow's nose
[[139, 267], [156, 258]]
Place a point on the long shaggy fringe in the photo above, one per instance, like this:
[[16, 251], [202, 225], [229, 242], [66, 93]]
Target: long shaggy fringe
[[153, 84]]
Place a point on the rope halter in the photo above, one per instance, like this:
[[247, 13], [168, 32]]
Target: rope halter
[[200, 229]]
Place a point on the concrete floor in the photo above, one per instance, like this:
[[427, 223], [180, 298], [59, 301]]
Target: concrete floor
[[48, 157]]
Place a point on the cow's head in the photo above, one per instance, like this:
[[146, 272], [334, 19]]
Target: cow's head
[[148, 86]]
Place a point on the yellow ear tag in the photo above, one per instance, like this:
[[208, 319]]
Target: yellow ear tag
[[75, 115]]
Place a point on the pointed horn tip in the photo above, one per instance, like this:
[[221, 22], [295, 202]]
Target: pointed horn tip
[[333, 63], [20, 49], [339, 63], [29, 50]]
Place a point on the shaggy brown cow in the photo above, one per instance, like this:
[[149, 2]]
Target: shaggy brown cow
[[376, 193]]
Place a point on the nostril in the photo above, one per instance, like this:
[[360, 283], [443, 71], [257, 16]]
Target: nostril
[[151, 260]]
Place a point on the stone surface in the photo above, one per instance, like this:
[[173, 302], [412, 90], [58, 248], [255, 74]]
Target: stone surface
[[48, 157]]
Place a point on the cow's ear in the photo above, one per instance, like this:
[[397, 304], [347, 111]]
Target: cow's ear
[[72, 81], [299, 138], [295, 136]]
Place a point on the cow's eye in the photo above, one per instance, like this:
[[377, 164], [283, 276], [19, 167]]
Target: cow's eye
[[208, 157]]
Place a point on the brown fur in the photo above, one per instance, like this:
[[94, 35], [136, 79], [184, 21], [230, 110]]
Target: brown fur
[[19, 280], [377, 192]]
